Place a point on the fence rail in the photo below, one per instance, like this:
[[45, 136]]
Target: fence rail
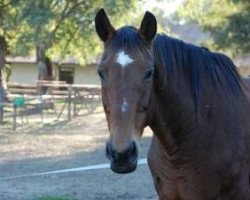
[[69, 96]]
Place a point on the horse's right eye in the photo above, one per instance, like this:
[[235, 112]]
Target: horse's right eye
[[149, 74], [100, 73]]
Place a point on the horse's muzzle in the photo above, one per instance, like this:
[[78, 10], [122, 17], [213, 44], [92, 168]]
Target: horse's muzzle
[[124, 162]]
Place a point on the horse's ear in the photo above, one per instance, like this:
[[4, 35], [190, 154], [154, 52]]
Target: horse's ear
[[148, 26], [103, 27]]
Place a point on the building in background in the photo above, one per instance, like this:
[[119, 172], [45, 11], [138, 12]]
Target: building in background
[[25, 70]]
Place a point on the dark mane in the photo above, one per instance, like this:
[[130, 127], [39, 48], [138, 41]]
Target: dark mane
[[196, 63]]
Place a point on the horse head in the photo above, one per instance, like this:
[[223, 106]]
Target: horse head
[[126, 72]]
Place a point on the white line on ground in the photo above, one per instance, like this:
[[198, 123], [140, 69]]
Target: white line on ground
[[86, 168]]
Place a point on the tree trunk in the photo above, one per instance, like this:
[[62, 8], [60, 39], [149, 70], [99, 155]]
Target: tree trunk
[[44, 69], [2, 97], [3, 51]]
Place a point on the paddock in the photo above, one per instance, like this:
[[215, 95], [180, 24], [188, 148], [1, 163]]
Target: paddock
[[48, 147]]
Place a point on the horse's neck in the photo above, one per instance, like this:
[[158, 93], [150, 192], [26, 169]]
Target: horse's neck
[[172, 115], [173, 119]]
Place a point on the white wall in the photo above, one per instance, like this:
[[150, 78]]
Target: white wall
[[86, 75], [24, 73], [28, 73]]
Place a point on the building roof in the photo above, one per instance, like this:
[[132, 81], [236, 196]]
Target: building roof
[[20, 59]]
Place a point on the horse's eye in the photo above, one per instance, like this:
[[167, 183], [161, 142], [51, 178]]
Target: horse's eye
[[148, 76], [100, 73]]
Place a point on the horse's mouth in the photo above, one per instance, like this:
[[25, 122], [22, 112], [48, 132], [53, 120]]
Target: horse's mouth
[[125, 162], [123, 168]]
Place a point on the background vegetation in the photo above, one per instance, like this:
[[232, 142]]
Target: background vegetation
[[228, 21]]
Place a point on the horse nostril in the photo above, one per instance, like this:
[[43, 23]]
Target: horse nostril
[[111, 154], [109, 151], [133, 148]]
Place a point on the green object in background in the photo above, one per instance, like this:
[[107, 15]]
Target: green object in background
[[19, 101]]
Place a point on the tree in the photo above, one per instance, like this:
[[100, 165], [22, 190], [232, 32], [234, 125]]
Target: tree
[[3, 50], [61, 28], [53, 28], [227, 20], [8, 32]]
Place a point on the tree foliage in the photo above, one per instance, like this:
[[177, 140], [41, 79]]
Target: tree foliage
[[8, 22], [65, 27], [227, 20]]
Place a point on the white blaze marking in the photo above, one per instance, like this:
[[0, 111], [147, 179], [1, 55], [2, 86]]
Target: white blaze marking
[[123, 59], [124, 105]]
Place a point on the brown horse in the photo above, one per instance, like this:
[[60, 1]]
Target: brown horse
[[193, 100]]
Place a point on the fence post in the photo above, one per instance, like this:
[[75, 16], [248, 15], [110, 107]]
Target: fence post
[[14, 118], [75, 102], [1, 113], [69, 102]]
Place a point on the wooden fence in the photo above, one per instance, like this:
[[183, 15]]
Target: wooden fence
[[25, 100]]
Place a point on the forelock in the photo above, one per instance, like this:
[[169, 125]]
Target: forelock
[[128, 39]]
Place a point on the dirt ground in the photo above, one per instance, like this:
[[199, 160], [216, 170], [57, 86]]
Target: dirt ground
[[59, 145]]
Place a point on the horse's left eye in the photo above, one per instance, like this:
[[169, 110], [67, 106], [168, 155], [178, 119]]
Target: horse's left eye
[[100, 73], [148, 76]]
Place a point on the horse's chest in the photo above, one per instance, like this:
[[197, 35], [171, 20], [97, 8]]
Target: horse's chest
[[197, 182]]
